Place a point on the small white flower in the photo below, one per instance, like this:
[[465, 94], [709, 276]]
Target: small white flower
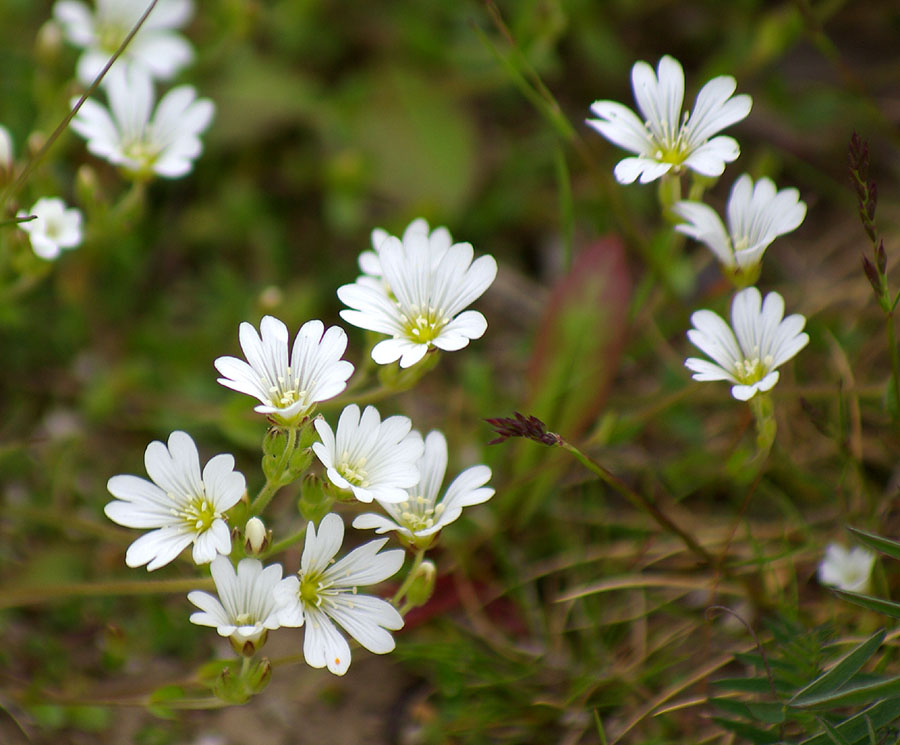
[[54, 228], [664, 140], [847, 570], [762, 340], [246, 608], [183, 508], [371, 458], [421, 514], [126, 134], [288, 388], [323, 593], [155, 48], [420, 297], [756, 215], [439, 242]]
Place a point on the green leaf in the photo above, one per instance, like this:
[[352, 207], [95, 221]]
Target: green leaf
[[857, 727], [157, 703], [884, 545], [743, 685], [860, 694], [765, 712], [876, 604], [838, 675], [836, 737], [748, 732]]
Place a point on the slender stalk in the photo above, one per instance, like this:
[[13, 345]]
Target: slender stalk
[[39, 156], [410, 576], [273, 485], [285, 543], [641, 502], [895, 361], [15, 597]]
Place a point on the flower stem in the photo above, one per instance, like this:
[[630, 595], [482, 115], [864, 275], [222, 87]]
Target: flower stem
[[766, 426], [272, 485], [410, 576], [895, 363], [641, 502], [285, 543]]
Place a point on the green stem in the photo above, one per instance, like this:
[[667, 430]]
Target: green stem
[[766, 426], [895, 363], [641, 502], [61, 127], [273, 485], [15, 597], [410, 576], [285, 543]]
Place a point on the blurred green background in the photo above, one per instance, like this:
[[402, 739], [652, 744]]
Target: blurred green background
[[334, 118]]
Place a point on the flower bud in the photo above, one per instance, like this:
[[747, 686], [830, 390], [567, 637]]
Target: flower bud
[[256, 537], [422, 586], [315, 498]]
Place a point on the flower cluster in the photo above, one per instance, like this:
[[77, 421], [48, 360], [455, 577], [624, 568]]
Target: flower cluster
[[365, 458]]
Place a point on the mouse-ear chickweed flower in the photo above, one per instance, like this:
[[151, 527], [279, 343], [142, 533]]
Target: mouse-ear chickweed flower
[[665, 140], [181, 506], [761, 340], [155, 48], [246, 609], [144, 142], [371, 458], [422, 514], [419, 301], [439, 241], [847, 570], [54, 228], [324, 593], [757, 215], [288, 387]]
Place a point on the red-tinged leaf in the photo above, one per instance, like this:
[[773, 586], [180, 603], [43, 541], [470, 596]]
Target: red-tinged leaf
[[580, 339]]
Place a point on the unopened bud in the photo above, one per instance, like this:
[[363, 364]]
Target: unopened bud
[[881, 257], [256, 537], [35, 142], [872, 275], [871, 200], [271, 297], [315, 500], [422, 586], [259, 676], [49, 42], [247, 646]]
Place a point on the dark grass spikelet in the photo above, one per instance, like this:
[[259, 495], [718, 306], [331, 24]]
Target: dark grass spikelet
[[529, 427]]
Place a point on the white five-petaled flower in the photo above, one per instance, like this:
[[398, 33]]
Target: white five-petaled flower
[[288, 387], [140, 140], [665, 140], [748, 356], [373, 459], [182, 507], [421, 514], [756, 215], [246, 608], [847, 570], [439, 241], [323, 594], [420, 297], [156, 48], [54, 227]]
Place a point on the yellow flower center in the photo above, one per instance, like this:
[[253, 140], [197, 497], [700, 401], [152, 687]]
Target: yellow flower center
[[423, 324], [753, 370], [419, 513], [199, 515], [355, 471], [285, 392]]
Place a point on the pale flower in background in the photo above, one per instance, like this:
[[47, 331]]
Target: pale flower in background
[[756, 216], [156, 48], [288, 387], [6, 149], [665, 140], [371, 458], [747, 356], [324, 593], [420, 298], [143, 142], [438, 243], [246, 608], [847, 570], [422, 514], [182, 507], [55, 227]]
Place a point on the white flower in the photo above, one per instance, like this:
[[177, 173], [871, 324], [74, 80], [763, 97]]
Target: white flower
[[155, 48], [421, 514], [371, 458], [847, 570], [420, 296], [664, 140], [288, 388], [756, 215], [54, 228], [323, 593], [761, 341], [183, 508], [439, 241], [246, 608], [126, 135]]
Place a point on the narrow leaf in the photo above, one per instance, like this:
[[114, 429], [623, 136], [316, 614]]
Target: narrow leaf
[[845, 669], [833, 735], [856, 727], [884, 545], [861, 694], [876, 604], [748, 732]]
